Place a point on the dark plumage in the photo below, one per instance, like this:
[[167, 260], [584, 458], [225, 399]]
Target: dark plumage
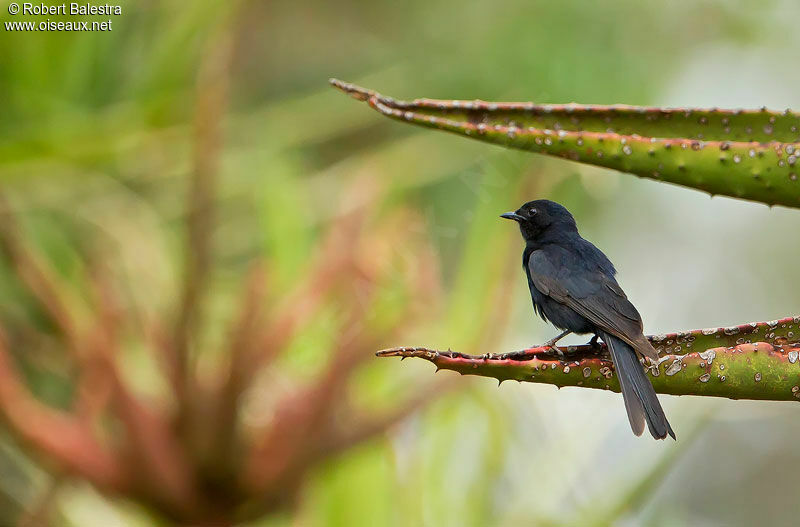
[[572, 285]]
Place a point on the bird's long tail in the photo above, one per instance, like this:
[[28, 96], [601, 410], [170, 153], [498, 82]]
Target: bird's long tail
[[640, 398]]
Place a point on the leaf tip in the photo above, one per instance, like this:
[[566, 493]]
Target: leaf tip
[[354, 91]]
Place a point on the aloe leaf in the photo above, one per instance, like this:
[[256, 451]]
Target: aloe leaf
[[747, 154], [751, 361]]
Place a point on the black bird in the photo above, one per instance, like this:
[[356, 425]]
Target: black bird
[[572, 285]]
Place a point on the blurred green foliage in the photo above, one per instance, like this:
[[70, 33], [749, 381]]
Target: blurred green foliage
[[95, 149]]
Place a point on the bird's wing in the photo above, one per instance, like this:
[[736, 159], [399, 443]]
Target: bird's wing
[[590, 292]]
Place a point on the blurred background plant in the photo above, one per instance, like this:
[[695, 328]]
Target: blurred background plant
[[104, 138]]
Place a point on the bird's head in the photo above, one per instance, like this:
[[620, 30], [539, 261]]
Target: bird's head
[[538, 217]]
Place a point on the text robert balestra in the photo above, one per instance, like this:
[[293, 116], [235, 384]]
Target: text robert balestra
[[73, 8]]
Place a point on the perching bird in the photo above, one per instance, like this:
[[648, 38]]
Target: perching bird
[[572, 285]]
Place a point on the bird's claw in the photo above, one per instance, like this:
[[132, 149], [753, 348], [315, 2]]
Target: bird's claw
[[555, 351], [594, 344]]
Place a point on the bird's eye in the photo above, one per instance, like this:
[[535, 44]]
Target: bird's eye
[[532, 212]]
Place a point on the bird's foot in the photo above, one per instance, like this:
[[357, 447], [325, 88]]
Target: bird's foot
[[551, 345], [553, 350], [594, 344]]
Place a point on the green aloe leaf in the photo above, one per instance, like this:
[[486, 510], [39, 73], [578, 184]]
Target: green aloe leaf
[[747, 154], [750, 361]]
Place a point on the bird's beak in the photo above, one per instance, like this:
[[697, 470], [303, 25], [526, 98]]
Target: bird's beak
[[512, 216]]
